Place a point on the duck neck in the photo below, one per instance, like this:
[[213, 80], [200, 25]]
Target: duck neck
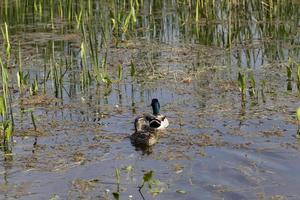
[[155, 108]]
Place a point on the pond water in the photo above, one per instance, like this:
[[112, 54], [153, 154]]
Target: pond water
[[94, 66]]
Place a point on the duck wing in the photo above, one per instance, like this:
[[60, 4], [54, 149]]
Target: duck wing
[[154, 121], [160, 117], [144, 138], [164, 123], [148, 117]]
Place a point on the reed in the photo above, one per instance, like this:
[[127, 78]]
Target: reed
[[298, 121], [7, 121], [242, 85], [34, 86], [5, 35], [298, 77], [252, 86], [33, 120]]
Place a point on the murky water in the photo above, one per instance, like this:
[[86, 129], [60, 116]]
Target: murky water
[[217, 146]]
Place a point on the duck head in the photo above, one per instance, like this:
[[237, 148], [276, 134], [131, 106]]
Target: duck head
[[155, 106]]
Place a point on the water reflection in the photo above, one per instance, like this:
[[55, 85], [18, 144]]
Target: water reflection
[[7, 162]]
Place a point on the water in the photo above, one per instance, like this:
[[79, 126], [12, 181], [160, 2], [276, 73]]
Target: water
[[217, 145]]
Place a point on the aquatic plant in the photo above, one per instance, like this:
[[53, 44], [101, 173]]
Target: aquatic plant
[[132, 69], [4, 66], [252, 87], [5, 35], [85, 76], [34, 86], [197, 11], [116, 194], [298, 120], [121, 21], [263, 86], [242, 84], [5, 79], [120, 72], [7, 121], [298, 77], [22, 79], [147, 178], [289, 71], [78, 19], [154, 185], [33, 120]]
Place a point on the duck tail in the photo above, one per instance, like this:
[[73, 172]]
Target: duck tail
[[155, 123]]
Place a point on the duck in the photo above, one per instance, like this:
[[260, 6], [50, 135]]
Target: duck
[[146, 126], [143, 135], [155, 121]]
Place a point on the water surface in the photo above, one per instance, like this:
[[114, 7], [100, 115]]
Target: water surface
[[217, 146]]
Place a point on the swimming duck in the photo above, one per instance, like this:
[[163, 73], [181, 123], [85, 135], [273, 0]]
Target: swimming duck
[[147, 124], [155, 121], [143, 135]]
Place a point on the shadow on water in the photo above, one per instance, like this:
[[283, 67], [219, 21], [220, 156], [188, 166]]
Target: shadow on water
[[226, 74]]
